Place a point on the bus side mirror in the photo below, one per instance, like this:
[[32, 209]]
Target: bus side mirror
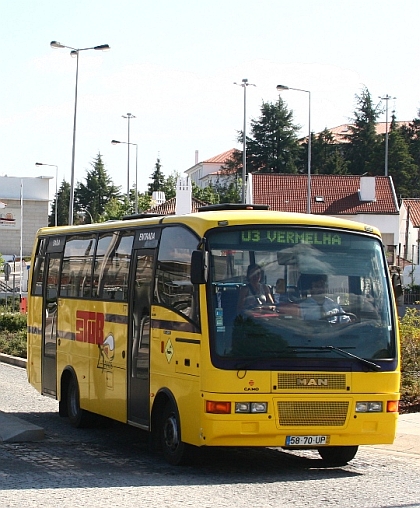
[[199, 266]]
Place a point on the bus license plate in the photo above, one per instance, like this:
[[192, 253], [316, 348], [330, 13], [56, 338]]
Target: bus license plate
[[307, 440]]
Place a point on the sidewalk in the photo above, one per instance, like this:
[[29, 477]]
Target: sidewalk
[[407, 439], [14, 429]]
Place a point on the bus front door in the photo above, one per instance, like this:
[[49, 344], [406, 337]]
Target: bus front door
[[139, 339], [49, 325]]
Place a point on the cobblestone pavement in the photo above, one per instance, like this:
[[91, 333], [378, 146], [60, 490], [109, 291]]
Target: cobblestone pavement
[[112, 465]]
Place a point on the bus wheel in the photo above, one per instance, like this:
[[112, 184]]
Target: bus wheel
[[174, 450], [78, 417], [337, 455]]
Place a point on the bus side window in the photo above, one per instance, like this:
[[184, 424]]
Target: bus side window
[[173, 286], [77, 266], [39, 268]]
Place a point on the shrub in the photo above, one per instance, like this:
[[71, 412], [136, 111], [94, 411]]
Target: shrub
[[12, 321], [410, 354], [13, 334]]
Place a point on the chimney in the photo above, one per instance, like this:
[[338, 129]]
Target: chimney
[[183, 203], [196, 157], [158, 198], [367, 191]]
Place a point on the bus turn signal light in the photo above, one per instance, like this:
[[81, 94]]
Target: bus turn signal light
[[220, 408], [392, 406]]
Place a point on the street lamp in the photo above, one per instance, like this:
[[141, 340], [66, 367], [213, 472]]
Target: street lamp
[[56, 186], [129, 117], [386, 98], [75, 53], [115, 142], [280, 88], [244, 85]]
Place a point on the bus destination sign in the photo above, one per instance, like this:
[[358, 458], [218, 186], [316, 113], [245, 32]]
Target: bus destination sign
[[292, 237]]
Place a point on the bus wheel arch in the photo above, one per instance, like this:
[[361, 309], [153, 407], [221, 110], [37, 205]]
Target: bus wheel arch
[[166, 430], [78, 417], [64, 387]]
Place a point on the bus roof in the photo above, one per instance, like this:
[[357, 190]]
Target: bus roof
[[200, 222]]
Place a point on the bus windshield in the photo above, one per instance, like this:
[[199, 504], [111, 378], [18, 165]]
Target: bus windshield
[[301, 294]]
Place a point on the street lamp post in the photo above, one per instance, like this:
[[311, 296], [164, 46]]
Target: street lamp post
[[56, 188], [136, 199], [244, 85], [128, 117], [85, 211], [280, 88], [386, 99], [75, 53]]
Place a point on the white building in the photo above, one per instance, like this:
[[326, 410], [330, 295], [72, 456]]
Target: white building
[[24, 205]]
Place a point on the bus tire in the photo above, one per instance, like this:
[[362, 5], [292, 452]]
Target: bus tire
[[337, 455], [78, 417], [175, 451]]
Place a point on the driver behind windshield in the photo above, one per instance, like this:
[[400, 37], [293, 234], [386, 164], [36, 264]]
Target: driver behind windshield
[[318, 305]]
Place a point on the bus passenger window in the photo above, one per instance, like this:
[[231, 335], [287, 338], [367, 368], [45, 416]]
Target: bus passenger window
[[77, 266], [110, 279]]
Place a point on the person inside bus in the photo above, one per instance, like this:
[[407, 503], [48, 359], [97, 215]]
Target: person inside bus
[[255, 293], [318, 305], [280, 291]]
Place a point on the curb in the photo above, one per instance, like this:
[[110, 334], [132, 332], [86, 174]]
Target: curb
[[16, 430], [13, 360]]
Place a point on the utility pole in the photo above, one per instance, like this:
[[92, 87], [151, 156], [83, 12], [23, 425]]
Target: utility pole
[[386, 99]]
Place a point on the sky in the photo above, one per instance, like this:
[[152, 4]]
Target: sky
[[173, 65]]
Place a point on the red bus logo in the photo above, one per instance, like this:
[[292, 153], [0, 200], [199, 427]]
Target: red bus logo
[[90, 327]]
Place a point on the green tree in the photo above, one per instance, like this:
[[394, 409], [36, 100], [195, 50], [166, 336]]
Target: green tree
[[273, 145], [401, 165], [98, 190], [326, 154], [61, 201], [169, 185], [411, 134], [158, 178], [364, 148], [207, 194]]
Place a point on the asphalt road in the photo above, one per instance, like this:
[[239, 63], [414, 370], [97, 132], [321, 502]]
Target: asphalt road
[[111, 465]]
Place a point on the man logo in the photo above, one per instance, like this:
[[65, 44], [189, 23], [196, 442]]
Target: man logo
[[312, 381]]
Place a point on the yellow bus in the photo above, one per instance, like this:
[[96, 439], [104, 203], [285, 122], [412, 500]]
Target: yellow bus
[[173, 324]]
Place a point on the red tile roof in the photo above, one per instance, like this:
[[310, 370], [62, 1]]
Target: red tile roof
[[221, 158], [340, 194], [339, 133], [414, 205]]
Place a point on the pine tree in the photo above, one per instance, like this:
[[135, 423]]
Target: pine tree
[[98, 190], [327, 156], [273, 146], [157, 177], [61, 201], [401, 165], [363, 150]]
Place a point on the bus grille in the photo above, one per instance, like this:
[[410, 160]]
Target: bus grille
[[311, 381], [312, 413]]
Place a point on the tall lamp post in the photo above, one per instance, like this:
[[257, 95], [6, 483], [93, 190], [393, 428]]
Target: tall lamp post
[[280, 88], [136, 199], [386, 99], [244, 85], [75, 53], [56, 187], [128, 117]]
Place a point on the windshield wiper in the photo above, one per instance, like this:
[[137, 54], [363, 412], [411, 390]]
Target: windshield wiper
[[372, 365]]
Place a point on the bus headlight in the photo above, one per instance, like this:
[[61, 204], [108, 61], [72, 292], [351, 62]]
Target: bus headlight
[[368, 407], [250, 407]]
